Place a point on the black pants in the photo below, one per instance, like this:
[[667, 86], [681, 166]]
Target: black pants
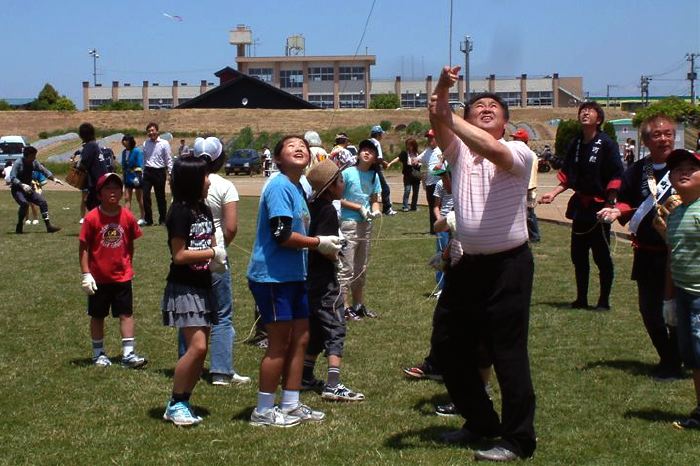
[[386, 192], [595, 237], [429, 193], [23, 200], [487, 304], [154, 178], [649, 270], [411, 186]]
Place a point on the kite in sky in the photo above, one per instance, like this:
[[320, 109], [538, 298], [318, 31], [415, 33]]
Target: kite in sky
[[173, 17]]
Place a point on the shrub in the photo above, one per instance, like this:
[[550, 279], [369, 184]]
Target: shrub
[[569, 129], [120, 105], [673, 107], [414, 127], [4, 106], [385, 124], [385, 101]]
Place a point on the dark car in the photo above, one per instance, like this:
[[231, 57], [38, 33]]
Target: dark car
[[243, 161]]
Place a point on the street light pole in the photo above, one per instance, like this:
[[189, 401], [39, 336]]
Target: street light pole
[[466, 47], [93, 53]]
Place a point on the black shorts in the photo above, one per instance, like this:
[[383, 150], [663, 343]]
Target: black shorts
[[326, 323], [118, 296]]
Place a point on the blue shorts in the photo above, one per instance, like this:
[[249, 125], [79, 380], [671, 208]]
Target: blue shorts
[[280, 302], [688, 330]]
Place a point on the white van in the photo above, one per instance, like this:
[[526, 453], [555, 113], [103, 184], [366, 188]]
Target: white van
[[11, 148]]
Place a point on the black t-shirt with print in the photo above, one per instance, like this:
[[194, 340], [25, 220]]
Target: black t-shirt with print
[[196, 226]]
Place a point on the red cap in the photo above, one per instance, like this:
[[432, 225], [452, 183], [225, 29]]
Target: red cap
[[106, 177], [521, 135], [430, 133], [678, 155]]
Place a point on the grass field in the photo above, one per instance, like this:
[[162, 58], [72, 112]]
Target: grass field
[[595, 403]]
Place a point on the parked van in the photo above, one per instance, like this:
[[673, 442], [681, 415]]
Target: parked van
[[11, 148]]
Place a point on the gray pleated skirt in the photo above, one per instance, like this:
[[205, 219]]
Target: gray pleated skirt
[[186, 306]]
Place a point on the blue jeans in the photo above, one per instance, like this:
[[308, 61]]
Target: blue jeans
[[223, 333], [688, 316], [441, 240]]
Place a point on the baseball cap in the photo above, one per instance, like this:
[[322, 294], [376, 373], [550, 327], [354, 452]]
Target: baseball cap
[[377, 129], [210, 147], [368, 143], [430, 133], [678, 155], [106, 177], [341, 137], [521, 134]]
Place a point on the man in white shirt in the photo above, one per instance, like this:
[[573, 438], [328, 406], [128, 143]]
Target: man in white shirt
[[487, 293], [157, 164]]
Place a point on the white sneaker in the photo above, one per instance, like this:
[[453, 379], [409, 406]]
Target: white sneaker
[[35, 222], [27, 222], [273, 417], [81, 221], [305, 413], [239, 379], [140, 223], [102, 361]]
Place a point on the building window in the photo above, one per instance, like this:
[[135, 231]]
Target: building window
[[155, 104], [512, 99], [414, 100], [352, 100], [291, 78], [351, 73], [539, 99], [263, 74], [322, 100], [321, 73]]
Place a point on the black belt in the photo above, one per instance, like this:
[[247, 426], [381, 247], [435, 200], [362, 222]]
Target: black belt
[[495, 256]]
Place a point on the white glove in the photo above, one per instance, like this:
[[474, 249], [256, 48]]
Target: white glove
[[376, 214], [218, 262], [669, 311], [451, 220], [88, 284], [364, 212], [57, 181], [26, 188], [328, 245], [136, 182]]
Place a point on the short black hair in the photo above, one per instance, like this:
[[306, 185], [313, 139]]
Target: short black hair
[[130, 141], [595, 106], [29, 151], [187, 182], [86, 132], [153, 124], [487, 95], [280, 145], [216, 165]]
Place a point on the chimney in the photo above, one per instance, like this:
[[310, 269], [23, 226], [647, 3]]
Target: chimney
[[523, 90], [144, 94]]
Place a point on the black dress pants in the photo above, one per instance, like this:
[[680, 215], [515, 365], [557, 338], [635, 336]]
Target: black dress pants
[[154, 178]]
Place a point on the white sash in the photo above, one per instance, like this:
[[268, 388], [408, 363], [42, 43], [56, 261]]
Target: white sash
[[657, 193]]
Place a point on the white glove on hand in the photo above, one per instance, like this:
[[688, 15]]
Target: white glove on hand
[[328, 245], [376, 214], [669, 311], [364, 212], [88, 284], [218, 262], [26, 188], [57, 181], [451, 220]]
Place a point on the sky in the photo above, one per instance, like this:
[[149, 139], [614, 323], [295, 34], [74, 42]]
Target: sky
[[607, 42]]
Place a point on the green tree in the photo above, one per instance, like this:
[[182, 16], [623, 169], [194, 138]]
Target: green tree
[[385, 101], [120, 105], [673, 107], [50, 99], [244, 140], [4, 106]]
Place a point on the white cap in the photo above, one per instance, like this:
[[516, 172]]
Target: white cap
[[210, 146]]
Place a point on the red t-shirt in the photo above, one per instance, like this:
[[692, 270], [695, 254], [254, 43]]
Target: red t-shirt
[[110, 244]]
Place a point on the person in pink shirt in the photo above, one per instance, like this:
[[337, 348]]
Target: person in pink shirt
[[487, 293]]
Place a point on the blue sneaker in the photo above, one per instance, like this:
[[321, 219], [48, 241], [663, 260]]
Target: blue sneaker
[[180, 414]]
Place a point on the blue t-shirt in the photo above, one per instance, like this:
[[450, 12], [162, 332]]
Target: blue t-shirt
[[359, 188], [270, 262]]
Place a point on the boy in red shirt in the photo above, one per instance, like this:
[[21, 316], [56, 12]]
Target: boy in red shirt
[[106, 251]]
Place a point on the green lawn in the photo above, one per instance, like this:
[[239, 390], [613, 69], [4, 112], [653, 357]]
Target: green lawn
[[595, 404]]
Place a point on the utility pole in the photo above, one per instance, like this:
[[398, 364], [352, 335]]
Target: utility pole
[[466, 47], [93, 53], [644, 85], [692, 75], [607, 94]]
